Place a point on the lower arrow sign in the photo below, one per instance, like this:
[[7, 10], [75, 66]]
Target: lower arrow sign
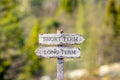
[[58, 52]]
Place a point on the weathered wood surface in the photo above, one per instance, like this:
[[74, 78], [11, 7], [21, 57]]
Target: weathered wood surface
[[60, 39], [60, 69], [58, 52]]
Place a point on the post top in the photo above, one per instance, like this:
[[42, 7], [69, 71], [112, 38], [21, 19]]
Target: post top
[[59, 31]]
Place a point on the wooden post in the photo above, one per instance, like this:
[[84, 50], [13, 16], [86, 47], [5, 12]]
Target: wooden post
[[60, 63], [60, 69]]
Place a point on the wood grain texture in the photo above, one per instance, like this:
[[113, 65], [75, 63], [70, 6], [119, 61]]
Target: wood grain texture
[[60, 69], [58, 52], [60, 62], [60, 39]]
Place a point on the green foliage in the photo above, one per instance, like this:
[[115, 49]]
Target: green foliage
[[36, 6], [50, 25], [69, 5], [11, 38], [113, 14], [113, 17], [97, 20], [33, 65]]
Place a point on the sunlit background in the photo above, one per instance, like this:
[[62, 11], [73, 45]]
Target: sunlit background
[[98, 21]]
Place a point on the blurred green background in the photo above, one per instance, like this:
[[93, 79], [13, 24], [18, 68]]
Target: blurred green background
[[98, 21]]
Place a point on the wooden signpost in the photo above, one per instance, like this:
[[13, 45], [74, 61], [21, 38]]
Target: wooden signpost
[[60, 52]]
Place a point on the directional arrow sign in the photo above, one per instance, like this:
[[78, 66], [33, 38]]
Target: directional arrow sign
[[56, 39], [58, 52]]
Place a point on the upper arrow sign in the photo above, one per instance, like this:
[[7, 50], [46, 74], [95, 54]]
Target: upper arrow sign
[[60, 39]]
